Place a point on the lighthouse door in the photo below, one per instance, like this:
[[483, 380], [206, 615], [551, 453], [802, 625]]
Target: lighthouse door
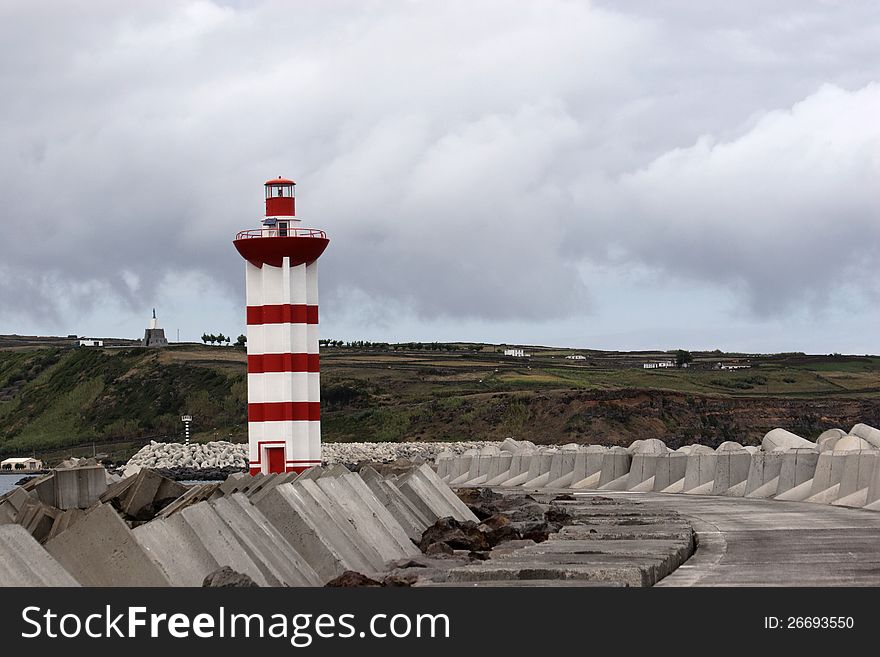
[[282, 229], [275, 459]]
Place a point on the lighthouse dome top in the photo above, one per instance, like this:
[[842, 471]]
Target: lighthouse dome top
[[279, 181]]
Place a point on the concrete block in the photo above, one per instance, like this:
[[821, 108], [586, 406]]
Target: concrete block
[[23, 562], [588, 462], [65, 520], [519, 470], [79, 488], [562, 467], [442, 464], [539, 468], [279, 562], [359, 488], [782, 439], [700, 470], [615, 464], [729, 446], [731, 469], [642, 468], [366, 525], [670, 469], [829, 472], [174, 547], [38, 519], [858, 471], [463, 463], [649, 446], [827, 439], [867, 433], [220, 541], [407, 515], [195, 494], [764, 470], [796, 475], [422, 486], [851, 444], [99, 550], [305, 527], [282, 478], [338, 527], [499, 466]]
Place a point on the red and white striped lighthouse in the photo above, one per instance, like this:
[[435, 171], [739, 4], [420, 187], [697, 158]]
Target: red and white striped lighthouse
[[284, 416]]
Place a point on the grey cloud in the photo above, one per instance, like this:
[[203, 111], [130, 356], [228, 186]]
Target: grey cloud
[[465, 158]]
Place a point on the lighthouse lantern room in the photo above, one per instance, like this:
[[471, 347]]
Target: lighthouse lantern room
[[281, 274]]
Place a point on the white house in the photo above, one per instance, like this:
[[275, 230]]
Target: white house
[[517, 353], [657, 364], [21, 465], [91, 343], [576, 357]]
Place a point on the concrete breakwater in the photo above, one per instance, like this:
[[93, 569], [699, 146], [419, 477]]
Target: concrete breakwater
[[840, 468]]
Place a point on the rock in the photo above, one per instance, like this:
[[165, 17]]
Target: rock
[[456, 534], [402, 579], [351, 578], [439, 550], [226, 577]]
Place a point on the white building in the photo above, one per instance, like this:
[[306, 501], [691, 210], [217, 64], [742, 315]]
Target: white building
[[91, 343], [576, 357], [722, 366], [516, 353], [21, 465], [658, 364]]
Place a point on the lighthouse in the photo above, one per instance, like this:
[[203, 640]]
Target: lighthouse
[[281, 274]]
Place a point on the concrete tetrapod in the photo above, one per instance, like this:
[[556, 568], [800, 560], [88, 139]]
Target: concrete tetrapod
[[24, 562]]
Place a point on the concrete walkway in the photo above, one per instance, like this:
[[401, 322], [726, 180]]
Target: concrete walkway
[[746, 542]]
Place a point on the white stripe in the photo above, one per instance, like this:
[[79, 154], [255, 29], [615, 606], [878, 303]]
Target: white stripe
[[280, 339], [283, 387]]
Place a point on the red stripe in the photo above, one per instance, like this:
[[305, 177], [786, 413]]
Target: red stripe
[[284, 411], [284, 313], [260, 363]]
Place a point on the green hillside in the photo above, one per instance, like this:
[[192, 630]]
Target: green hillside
[[54, 398]]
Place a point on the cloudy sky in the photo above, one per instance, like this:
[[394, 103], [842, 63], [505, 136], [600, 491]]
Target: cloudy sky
[[628, 174]]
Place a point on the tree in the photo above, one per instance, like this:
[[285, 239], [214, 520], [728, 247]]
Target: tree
[[241, 341], [205, 337], [683, 357]]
